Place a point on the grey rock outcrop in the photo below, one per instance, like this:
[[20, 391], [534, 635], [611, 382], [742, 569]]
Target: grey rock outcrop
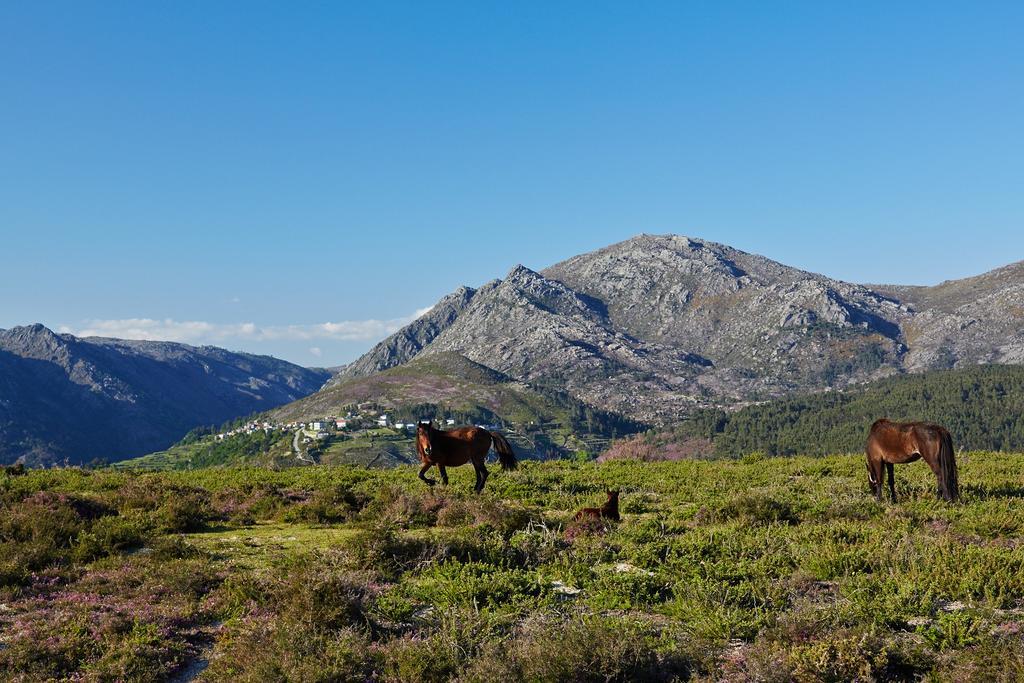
[[411, 339]]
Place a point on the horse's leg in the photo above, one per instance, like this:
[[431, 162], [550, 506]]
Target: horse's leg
[[481, 474], [892, 481], [444, 474], [933, 463], [423, 470], [875, 470]]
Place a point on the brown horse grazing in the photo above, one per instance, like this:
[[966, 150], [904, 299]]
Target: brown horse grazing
[[901, 442], [610, 509], [459, 446]]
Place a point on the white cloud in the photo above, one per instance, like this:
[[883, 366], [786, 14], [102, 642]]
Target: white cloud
[[199, 332], [315, 350]]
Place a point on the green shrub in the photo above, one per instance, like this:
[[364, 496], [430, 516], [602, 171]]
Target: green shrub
[[262, 647], [166, 548], [578, 648], [328, 506], [394, 505], [413, 658], [303, 620], [140, 654], [384, 549], [41, 530], [184, 512], [951, 631], [112, 534], [48, 649], [759, 508], [478, 586]]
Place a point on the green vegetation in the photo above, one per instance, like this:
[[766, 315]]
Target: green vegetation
[[775, 569], [542, 422], [983, 407], [200, 449], [452, 385]]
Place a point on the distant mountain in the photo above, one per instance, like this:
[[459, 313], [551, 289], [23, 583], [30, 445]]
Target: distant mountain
[[657, 326], [62, 397], [964, 322]]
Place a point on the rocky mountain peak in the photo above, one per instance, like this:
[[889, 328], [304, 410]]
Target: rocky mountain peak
[[656, 323], [405, 344], [31, 333], [519, 272], [35, 341]]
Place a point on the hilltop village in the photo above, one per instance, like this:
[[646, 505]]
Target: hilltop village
[[364, 419]]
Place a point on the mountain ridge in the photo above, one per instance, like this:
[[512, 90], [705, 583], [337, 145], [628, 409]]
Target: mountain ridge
[[651, 329], [68, 398], [657, 325]]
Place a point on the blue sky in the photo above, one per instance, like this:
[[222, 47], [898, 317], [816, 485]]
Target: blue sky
[[300, 178]]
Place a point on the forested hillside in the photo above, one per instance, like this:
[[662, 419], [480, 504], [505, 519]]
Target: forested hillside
[[982, 406]]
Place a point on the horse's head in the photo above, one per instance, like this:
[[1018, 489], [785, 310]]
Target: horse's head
[[423, 438], [612, 495]]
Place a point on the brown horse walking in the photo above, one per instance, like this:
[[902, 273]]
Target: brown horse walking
[[902, 442], [459, 446]]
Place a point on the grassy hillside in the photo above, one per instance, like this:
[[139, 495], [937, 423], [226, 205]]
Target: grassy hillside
[[259, 449], [450, 383], [982, 406], [541, 422], [765, 569]]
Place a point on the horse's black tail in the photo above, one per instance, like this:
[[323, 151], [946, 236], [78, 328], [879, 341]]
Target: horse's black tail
[[506, 456], [948, 483]]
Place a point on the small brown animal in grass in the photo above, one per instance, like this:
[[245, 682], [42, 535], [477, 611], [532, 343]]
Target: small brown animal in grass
[[610, 509]]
